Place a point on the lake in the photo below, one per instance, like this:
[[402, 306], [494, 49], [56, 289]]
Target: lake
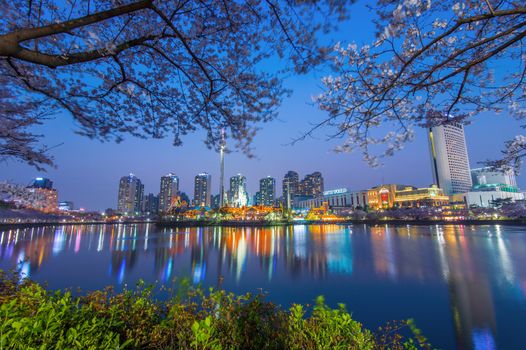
[[465, 286]]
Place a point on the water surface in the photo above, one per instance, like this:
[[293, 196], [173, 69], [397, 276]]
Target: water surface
[[465, 286]]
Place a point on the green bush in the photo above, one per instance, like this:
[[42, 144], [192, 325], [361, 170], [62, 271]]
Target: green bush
[[34, 318]]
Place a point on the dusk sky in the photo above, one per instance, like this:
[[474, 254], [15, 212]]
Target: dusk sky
[[88, 171]]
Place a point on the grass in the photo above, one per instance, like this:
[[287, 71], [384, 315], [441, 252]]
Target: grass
[[32, 317]]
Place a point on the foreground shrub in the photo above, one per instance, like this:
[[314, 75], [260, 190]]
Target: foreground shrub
[[33, 318]]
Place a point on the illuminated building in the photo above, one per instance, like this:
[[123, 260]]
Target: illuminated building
[[216, 200], [267, 191], [383, 197], [257, 198], [202, 188], [42, 182], [168, 192], [489, 187], [485, 198], [41, 199], [420, 197], [238, 191], [130, 197], [222, 196], [151, 204], [488, 178], [65, 206], [290, 187], [337, 198], [311, 185], [449, 158]]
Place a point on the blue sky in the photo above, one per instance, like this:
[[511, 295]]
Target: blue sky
[[88, 171]]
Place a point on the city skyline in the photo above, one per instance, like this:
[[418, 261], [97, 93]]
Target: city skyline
[[482, 144]]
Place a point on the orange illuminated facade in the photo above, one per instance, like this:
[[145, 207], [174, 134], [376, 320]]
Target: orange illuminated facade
[[400, 196]]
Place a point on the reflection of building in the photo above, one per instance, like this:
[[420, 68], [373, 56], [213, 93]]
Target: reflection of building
[[168, 192], [267, 191], [449, 158], [130, 197], [238, 191], [202, 188]]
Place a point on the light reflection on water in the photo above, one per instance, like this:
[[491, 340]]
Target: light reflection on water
[[464, 285]]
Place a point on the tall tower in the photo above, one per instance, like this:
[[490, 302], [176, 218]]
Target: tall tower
[[449, 158], [222, 170]]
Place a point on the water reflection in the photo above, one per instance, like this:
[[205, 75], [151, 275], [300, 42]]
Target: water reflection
[[481, 269]]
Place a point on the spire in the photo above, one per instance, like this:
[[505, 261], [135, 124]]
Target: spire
[[222, 169]]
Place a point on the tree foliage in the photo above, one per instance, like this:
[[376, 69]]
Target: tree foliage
[[151, 68], [432, 63]]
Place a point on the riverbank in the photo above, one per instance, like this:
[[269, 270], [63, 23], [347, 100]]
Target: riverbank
[[205, 223], [34, 317]]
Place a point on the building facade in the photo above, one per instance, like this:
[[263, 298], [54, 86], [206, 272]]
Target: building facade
[[290, 187], [267, 191], [151, 204], [337, 198], [66, 206], [130, 197], [202, 188], [411, 197], [42, 182], [168, 192], [41, 199], [238, 196], [311, 185], [449, 158], [488, 177]]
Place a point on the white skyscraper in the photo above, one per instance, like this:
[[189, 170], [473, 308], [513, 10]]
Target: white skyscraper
[[449, 158], [130, 197], [169, 190]]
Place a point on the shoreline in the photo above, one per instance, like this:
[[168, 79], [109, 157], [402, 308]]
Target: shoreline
[[168, 224]]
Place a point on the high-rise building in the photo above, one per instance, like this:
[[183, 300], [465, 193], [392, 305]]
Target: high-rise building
[[257, 198], [311, 185], [151, 204], [42, 182], [202, 188], [267, 190], [290, 187], [449, 158], [238, 191], [168, 192], [216, 200], [131, 192]]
